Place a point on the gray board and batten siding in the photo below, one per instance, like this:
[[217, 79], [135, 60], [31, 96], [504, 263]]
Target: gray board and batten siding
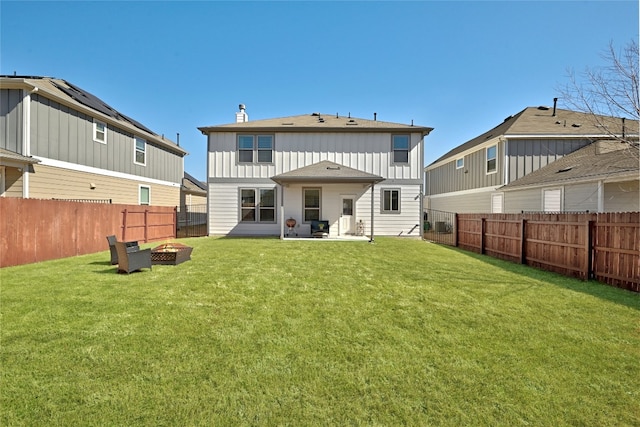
[[61, 133], [447, 178], [524, 156], [11, 120]]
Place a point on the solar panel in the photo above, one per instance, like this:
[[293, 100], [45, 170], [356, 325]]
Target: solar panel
[[92, 101]]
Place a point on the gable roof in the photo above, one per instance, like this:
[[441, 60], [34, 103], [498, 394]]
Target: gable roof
[[328, 172], [601, 160], [68, 94], [317, 122], [7, 157], [190, 183], [541, 122]]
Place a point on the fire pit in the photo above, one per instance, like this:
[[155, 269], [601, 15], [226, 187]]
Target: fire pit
[[170, 254]]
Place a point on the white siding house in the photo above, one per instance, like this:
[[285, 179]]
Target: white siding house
[[354, 173]]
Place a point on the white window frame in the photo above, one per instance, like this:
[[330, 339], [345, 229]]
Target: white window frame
[[96, 123], [557, 191], [460, 163], [257, 207], [495, 159], [393, 149], [140, 187], [135, 150], [305, 208], [255, 148], [396, 211]]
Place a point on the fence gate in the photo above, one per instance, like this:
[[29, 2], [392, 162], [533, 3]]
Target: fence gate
[[192, 221], [439, 227]]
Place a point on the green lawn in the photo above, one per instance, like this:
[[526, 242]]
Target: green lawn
[[303, 333]]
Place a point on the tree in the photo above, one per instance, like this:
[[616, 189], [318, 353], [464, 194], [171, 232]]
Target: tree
[[609, 94]]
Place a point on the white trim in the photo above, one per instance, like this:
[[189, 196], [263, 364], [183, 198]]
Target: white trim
[[135, 150], [95, 131], [464, 192], [89, 169], [496, 196], [600, 196], [486, 160], [26, 140], [140, 187], [2, 180]]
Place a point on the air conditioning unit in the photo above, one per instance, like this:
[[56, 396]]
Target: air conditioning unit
[[441, 227]]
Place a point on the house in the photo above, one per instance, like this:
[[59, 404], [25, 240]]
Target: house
[[193, 191], [601, 177], [60, 141], [468, 179], [354, 173]]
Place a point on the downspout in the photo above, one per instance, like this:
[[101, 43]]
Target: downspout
[[371, 237], [208, 186], [600, 196], [421, 193], [26, 137], [281, 212]]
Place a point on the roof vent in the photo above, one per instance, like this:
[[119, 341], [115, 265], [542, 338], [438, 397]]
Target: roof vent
[[333, 168], [315, 114], [543, 108], [567, 169], [576, 125]]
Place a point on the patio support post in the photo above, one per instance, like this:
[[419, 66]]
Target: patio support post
[[372, 186]]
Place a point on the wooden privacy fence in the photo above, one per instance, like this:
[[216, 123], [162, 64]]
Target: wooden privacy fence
[[604, 246], [34, 230]]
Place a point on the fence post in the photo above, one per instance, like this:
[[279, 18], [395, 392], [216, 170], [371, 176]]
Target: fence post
[[146, 225], [455, 234], [523, 242], [589, 250], [124, 225], [175, 222], [482, 231]]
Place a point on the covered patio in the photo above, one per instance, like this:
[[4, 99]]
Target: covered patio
[[329, 192]]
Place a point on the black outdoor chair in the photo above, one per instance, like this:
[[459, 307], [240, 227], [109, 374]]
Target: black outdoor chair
[[319, 228], [112, 248], [132, 258]]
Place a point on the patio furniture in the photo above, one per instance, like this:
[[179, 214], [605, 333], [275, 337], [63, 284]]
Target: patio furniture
[[112, 248], [132, 258], [319, 228], [171, 254]]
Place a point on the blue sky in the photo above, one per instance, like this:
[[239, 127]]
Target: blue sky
[[460, 67]]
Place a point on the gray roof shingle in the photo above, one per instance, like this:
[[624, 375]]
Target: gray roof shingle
[[326, 171]]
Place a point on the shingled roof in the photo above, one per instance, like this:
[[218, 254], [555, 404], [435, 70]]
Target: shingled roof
[[541, 122], [317, 122], [68, 94], [601, 160], [327, 172]]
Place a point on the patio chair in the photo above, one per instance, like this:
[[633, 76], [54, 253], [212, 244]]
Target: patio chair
[[112, 248], [319, 228], [132, 258]]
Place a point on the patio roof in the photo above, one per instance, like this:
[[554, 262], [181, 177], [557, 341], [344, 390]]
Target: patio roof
[[327, 172], [8, 158]]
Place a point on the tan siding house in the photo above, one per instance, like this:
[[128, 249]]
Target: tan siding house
[[62, 142]]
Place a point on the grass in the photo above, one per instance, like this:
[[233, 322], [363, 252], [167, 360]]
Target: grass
[[265, 332]]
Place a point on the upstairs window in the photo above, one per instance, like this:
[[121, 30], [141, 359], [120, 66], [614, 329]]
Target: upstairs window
[[255, 148], [140, 151], [390, 201], [99, 132], [460, 163], [400, 148], [491, 159]]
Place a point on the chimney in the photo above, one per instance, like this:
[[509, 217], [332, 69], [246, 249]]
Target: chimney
[[555, 102], [242, 117]]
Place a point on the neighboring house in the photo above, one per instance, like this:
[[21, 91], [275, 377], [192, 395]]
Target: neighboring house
[[468, 178], [601, 177], [192, 192], [362, 176], [59, 141]]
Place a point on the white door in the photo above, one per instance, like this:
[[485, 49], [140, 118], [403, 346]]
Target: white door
[[347, 216]]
